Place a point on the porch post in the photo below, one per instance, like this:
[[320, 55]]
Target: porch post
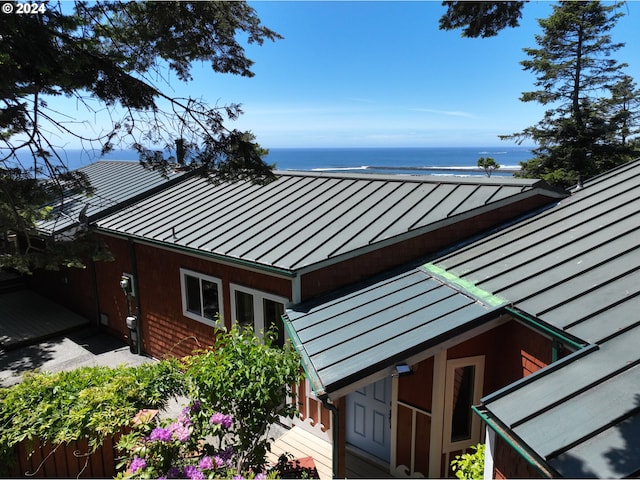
[[340, 464], [490, 445], [437, 413]]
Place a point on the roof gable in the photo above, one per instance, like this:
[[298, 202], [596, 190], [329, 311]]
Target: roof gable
[[344, 337]]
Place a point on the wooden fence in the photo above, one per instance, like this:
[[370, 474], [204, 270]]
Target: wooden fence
[[35, 459]]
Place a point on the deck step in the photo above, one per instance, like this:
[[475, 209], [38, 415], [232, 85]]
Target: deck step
[[10, 282]]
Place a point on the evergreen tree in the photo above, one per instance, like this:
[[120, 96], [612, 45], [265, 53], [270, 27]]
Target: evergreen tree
[[480, 19], [117, 59], [588, 126]]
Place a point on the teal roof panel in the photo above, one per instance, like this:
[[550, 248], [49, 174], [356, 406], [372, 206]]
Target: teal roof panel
[[116, 184], [576, 269], [354, 333]]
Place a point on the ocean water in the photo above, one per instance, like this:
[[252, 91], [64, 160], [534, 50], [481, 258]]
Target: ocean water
[[428, 160]]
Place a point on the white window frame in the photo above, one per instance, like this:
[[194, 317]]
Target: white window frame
[[478, 379], [258, 311], [193, 316]]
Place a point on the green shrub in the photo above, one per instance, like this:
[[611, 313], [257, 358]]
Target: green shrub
[[87, 403], [470, 465]]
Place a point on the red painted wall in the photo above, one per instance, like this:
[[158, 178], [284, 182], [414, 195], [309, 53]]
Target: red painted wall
[[165, 330]]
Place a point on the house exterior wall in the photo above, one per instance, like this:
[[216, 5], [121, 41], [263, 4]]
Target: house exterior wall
[[165, 330], [511, 351], [362, 267], [507, 463]]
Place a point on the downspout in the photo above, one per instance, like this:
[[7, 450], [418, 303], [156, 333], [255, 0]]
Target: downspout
[[134, 272], [334, 434], [519, 450], [96, 293]]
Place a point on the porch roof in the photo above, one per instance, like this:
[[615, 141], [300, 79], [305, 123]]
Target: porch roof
[[304, 219], [354, 333]]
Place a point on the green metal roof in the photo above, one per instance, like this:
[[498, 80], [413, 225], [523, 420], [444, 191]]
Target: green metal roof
[[116, 184], [305, 219], [353, 333], [573, 269], [576, 269]]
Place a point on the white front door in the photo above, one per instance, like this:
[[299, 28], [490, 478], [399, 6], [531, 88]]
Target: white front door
[[368, 419]]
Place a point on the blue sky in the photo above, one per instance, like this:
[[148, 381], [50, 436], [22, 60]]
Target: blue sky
[[367, 74]]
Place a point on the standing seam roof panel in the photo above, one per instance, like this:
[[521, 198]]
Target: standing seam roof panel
[[257, 217], [303, 211], [550, 227], [569, 209], [309, 221], [370, 317]]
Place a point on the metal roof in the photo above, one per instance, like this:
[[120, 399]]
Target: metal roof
[[302, 219], [350, 335], [115, 182], [575, 268]]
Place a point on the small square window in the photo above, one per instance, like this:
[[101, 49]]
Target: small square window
[[201, 297]]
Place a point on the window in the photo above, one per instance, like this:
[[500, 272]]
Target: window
[[258, 309], [463, 389], [201, 297]]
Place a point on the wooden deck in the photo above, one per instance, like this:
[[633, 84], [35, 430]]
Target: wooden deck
[[300, 443]]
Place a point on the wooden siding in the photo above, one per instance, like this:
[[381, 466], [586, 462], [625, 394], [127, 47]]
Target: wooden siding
[[68, 460], [165, 330], [508, 464]]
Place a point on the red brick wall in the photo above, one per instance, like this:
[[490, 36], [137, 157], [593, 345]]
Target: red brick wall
[[357, 269], [165, 330]]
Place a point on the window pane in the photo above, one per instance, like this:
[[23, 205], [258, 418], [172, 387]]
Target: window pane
[[244, 308], [273, 312], [193, 294], [462, 401], [210, 299]]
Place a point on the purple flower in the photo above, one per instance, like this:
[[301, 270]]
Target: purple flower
[[160, 434], [260, 476], [227, 454], [174, 472], [137, 464], [206, 463], [192, 472], [219, 461], [195, 406], [221, 419], [184, 417], [238, 477], [179, 431]]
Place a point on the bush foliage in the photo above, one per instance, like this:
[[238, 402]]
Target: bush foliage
[[87, 403]]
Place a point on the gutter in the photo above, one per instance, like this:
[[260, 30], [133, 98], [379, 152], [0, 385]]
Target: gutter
[[555, 334], [193, 251], [530, 458]]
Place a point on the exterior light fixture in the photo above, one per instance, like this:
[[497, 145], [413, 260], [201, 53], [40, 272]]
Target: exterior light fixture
[[401, 370]]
